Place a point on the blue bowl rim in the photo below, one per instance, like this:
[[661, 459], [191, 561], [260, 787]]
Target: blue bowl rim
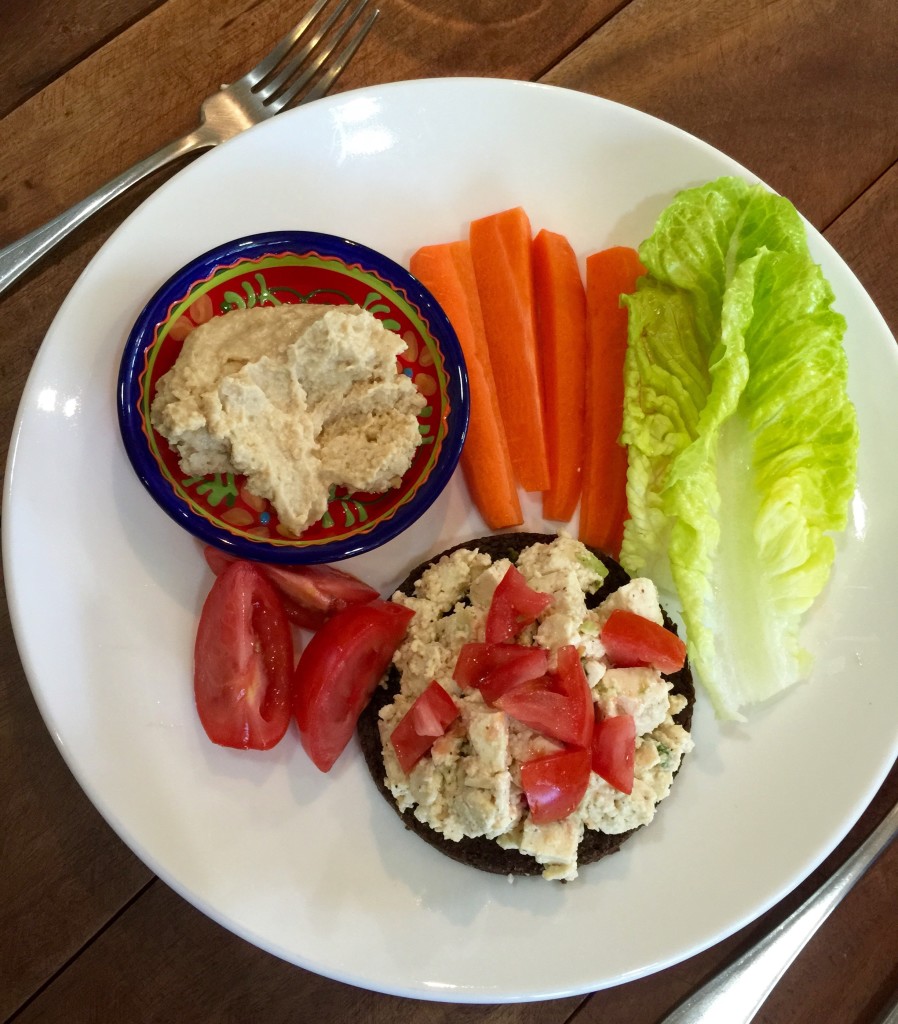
[[256, 246]]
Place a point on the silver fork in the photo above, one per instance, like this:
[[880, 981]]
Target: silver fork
[[736, 994], [275, 82]]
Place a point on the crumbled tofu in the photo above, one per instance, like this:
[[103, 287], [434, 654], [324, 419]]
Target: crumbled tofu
[[657, 758], [640, 692], [568, 572], [554, 845], [470, 784], [639, 596], [488, 733], [442, 622], [298, 398]]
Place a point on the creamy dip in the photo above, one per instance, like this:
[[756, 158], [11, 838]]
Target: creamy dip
[[298, 399], [469, 785]]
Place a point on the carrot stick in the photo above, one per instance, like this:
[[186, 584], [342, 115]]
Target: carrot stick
[[603, 509], [447, 271], [561, 337], [500, 249]]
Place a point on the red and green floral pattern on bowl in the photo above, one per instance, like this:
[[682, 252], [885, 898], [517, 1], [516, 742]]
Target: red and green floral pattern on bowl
[[219, 508]]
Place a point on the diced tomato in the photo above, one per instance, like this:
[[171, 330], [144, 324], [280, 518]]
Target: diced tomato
[[243, 661], [311, 593], [570, 680], [338, 671], [476, 660], [495, 669], [514, 606], [539, 708], [554, 785], [614, 751], [559, 706], [426, 720], [631, 640], [509, 678]]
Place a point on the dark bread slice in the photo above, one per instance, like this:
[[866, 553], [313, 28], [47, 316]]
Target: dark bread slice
[[483, 853]]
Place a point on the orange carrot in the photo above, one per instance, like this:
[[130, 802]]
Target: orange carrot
[[500, 249], [603, 509], [561, 335], [447, 271]]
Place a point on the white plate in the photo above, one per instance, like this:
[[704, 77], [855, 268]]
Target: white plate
[[317, 869]]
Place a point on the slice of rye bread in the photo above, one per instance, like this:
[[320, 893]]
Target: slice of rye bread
[[482, 853]]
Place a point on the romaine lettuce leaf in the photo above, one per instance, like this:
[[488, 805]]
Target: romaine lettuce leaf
[[742, 440]]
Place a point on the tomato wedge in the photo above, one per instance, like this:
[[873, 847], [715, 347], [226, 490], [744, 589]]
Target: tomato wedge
[[554, 785], [476, 660], [243, 661], [559, 706], [311, 593], [495, 669], [632, 640], [514, 605], [570, 679], [425, 721], [540, 708], [338, 671], [614, 751]]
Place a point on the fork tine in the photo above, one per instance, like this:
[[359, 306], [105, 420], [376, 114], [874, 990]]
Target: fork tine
[[265, 89], [326, 82], [280, 51]]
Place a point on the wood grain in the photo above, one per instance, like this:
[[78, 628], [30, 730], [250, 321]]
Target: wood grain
[[803, 92], [50, 38], [866, 236], [64, 874], [765, 82], [128, 113], [820, 987], [193, 972]]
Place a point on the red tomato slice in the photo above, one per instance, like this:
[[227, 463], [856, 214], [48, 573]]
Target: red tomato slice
[[554, 785], [338, 671], [559, 706], [476, 661], [426, 720], [614, 751], [514, 606], [631, 640], [539, 708], [243, 661], [497, 668], [514, 676], [570, 680], [311, 593]]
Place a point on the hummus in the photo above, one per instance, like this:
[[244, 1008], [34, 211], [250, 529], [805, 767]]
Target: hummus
[[297, 398], [469, 785]]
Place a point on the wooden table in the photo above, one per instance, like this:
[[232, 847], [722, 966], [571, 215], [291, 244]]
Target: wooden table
[[803, 92]]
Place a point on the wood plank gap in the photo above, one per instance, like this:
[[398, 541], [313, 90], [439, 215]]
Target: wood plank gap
[[126, 906], [578, 1009], [65, 69], [612, 14], [866, 189]]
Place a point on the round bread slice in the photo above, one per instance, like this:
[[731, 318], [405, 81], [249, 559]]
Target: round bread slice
[[483, 853]]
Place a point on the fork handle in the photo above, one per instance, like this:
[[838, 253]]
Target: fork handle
[[737, 993], [16, 258]]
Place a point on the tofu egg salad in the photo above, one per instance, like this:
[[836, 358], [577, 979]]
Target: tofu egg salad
[[537, 709]]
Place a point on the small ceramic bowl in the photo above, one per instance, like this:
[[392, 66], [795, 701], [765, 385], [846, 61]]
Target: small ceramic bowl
[[294, 267]]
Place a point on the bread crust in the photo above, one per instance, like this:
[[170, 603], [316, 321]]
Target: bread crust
[[482, 853]]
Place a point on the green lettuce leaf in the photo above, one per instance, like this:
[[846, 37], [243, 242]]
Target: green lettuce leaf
[[742, 441]]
